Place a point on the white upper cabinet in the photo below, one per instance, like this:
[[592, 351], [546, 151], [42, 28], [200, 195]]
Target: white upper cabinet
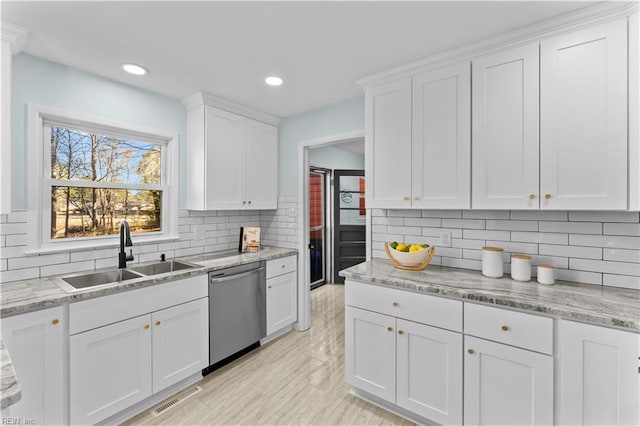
[[505, 129], [261, 165], [388, 145], [441, 138], [583, 144], [232, 160]]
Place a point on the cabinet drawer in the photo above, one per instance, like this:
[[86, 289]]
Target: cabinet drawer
[[513, 328], [101, 311], [422, 308], [281, 266]]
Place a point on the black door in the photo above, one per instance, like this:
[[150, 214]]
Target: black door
[[349, 220]]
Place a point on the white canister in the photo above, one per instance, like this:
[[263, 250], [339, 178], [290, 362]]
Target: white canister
[[546, 274], [492, 264], [521, 267]]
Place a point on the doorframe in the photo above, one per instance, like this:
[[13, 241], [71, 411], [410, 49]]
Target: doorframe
[[304, 292], [327, 176]]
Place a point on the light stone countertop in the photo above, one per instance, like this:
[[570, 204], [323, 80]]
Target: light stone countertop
[[31, 295], [599, 305], [9, 388]]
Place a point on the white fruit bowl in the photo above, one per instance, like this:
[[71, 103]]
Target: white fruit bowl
[[413, 258]]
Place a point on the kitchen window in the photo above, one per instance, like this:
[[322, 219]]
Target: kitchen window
[[92, 175]]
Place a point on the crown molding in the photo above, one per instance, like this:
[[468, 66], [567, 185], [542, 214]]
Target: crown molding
[[596, 14], [203, 98], [14, 34]]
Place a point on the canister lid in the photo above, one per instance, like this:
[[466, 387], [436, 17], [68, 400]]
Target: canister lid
[[546, 266], [520, 256], [492, 249]]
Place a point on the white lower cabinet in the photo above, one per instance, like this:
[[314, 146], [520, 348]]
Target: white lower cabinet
[[116, 366], [35, 341], [429, 377], [370, 352], [505, 385], [110, 369], [281, 301], [180, 342], [599, 375], [282, 292], [412, 365]]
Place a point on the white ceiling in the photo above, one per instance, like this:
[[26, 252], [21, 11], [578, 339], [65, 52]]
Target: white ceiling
[[227, 48]]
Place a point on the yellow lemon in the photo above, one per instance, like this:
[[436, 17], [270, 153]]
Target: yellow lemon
[[401, 247], [415, 247]]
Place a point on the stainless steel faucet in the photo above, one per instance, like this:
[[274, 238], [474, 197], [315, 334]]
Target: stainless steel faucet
[[125, 241]]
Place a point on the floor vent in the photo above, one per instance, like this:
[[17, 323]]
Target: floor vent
[[177, 399]]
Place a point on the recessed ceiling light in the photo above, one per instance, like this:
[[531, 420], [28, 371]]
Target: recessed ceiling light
[[134, 69], [273, 80]]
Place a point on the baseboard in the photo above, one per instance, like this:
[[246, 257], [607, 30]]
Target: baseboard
[[154, 399], [392, 408], [276, 334]]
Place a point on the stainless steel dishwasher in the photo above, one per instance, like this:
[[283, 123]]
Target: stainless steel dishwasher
[[237, 312]]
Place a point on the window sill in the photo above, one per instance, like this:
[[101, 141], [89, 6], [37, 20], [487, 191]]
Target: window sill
[[69, 247]]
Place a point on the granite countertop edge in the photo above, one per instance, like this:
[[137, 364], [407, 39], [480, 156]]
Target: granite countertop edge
[[20, 297], [10, 388], [609, 306]]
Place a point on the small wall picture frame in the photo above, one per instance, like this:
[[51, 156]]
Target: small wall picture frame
[[249, 239]]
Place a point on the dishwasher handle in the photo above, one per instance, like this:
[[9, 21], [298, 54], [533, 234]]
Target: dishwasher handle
[[214, 280]]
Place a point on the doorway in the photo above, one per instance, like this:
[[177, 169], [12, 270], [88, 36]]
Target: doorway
[[350, 220], [319, 260]]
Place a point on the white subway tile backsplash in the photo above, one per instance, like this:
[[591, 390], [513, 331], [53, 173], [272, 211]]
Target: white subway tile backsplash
[[3, 265], [443, 214], [16, 240], [13, 228], [41, 260], [474, 234], [512, 247], [415, 221], [572, 227], [513, 225], [19, 274], [485, 214], [571, 251], [539, 215], [384, 220], [579, 276], [404, 230], [623, 281], [540, 237], [564, 239], [607, 241], [632, 229], [619, 268], [579, 216], [67, 268], [404, 213], [622, 255], [463, 223]]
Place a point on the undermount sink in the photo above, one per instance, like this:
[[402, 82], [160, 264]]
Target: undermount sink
[[162, 267], [93, 279], [82, 281]]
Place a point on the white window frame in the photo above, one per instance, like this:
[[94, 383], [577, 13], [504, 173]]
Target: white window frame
[[40, 181]]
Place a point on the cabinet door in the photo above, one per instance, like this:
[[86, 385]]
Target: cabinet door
[[261, 166], [388, 145], [110, 369], [281, 301], [370, 353], [599, 375], [441, 139], [225, 162], [180, 342], [584, 119], [504, 385], [35, 342], [505, 129], [429, 381]]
